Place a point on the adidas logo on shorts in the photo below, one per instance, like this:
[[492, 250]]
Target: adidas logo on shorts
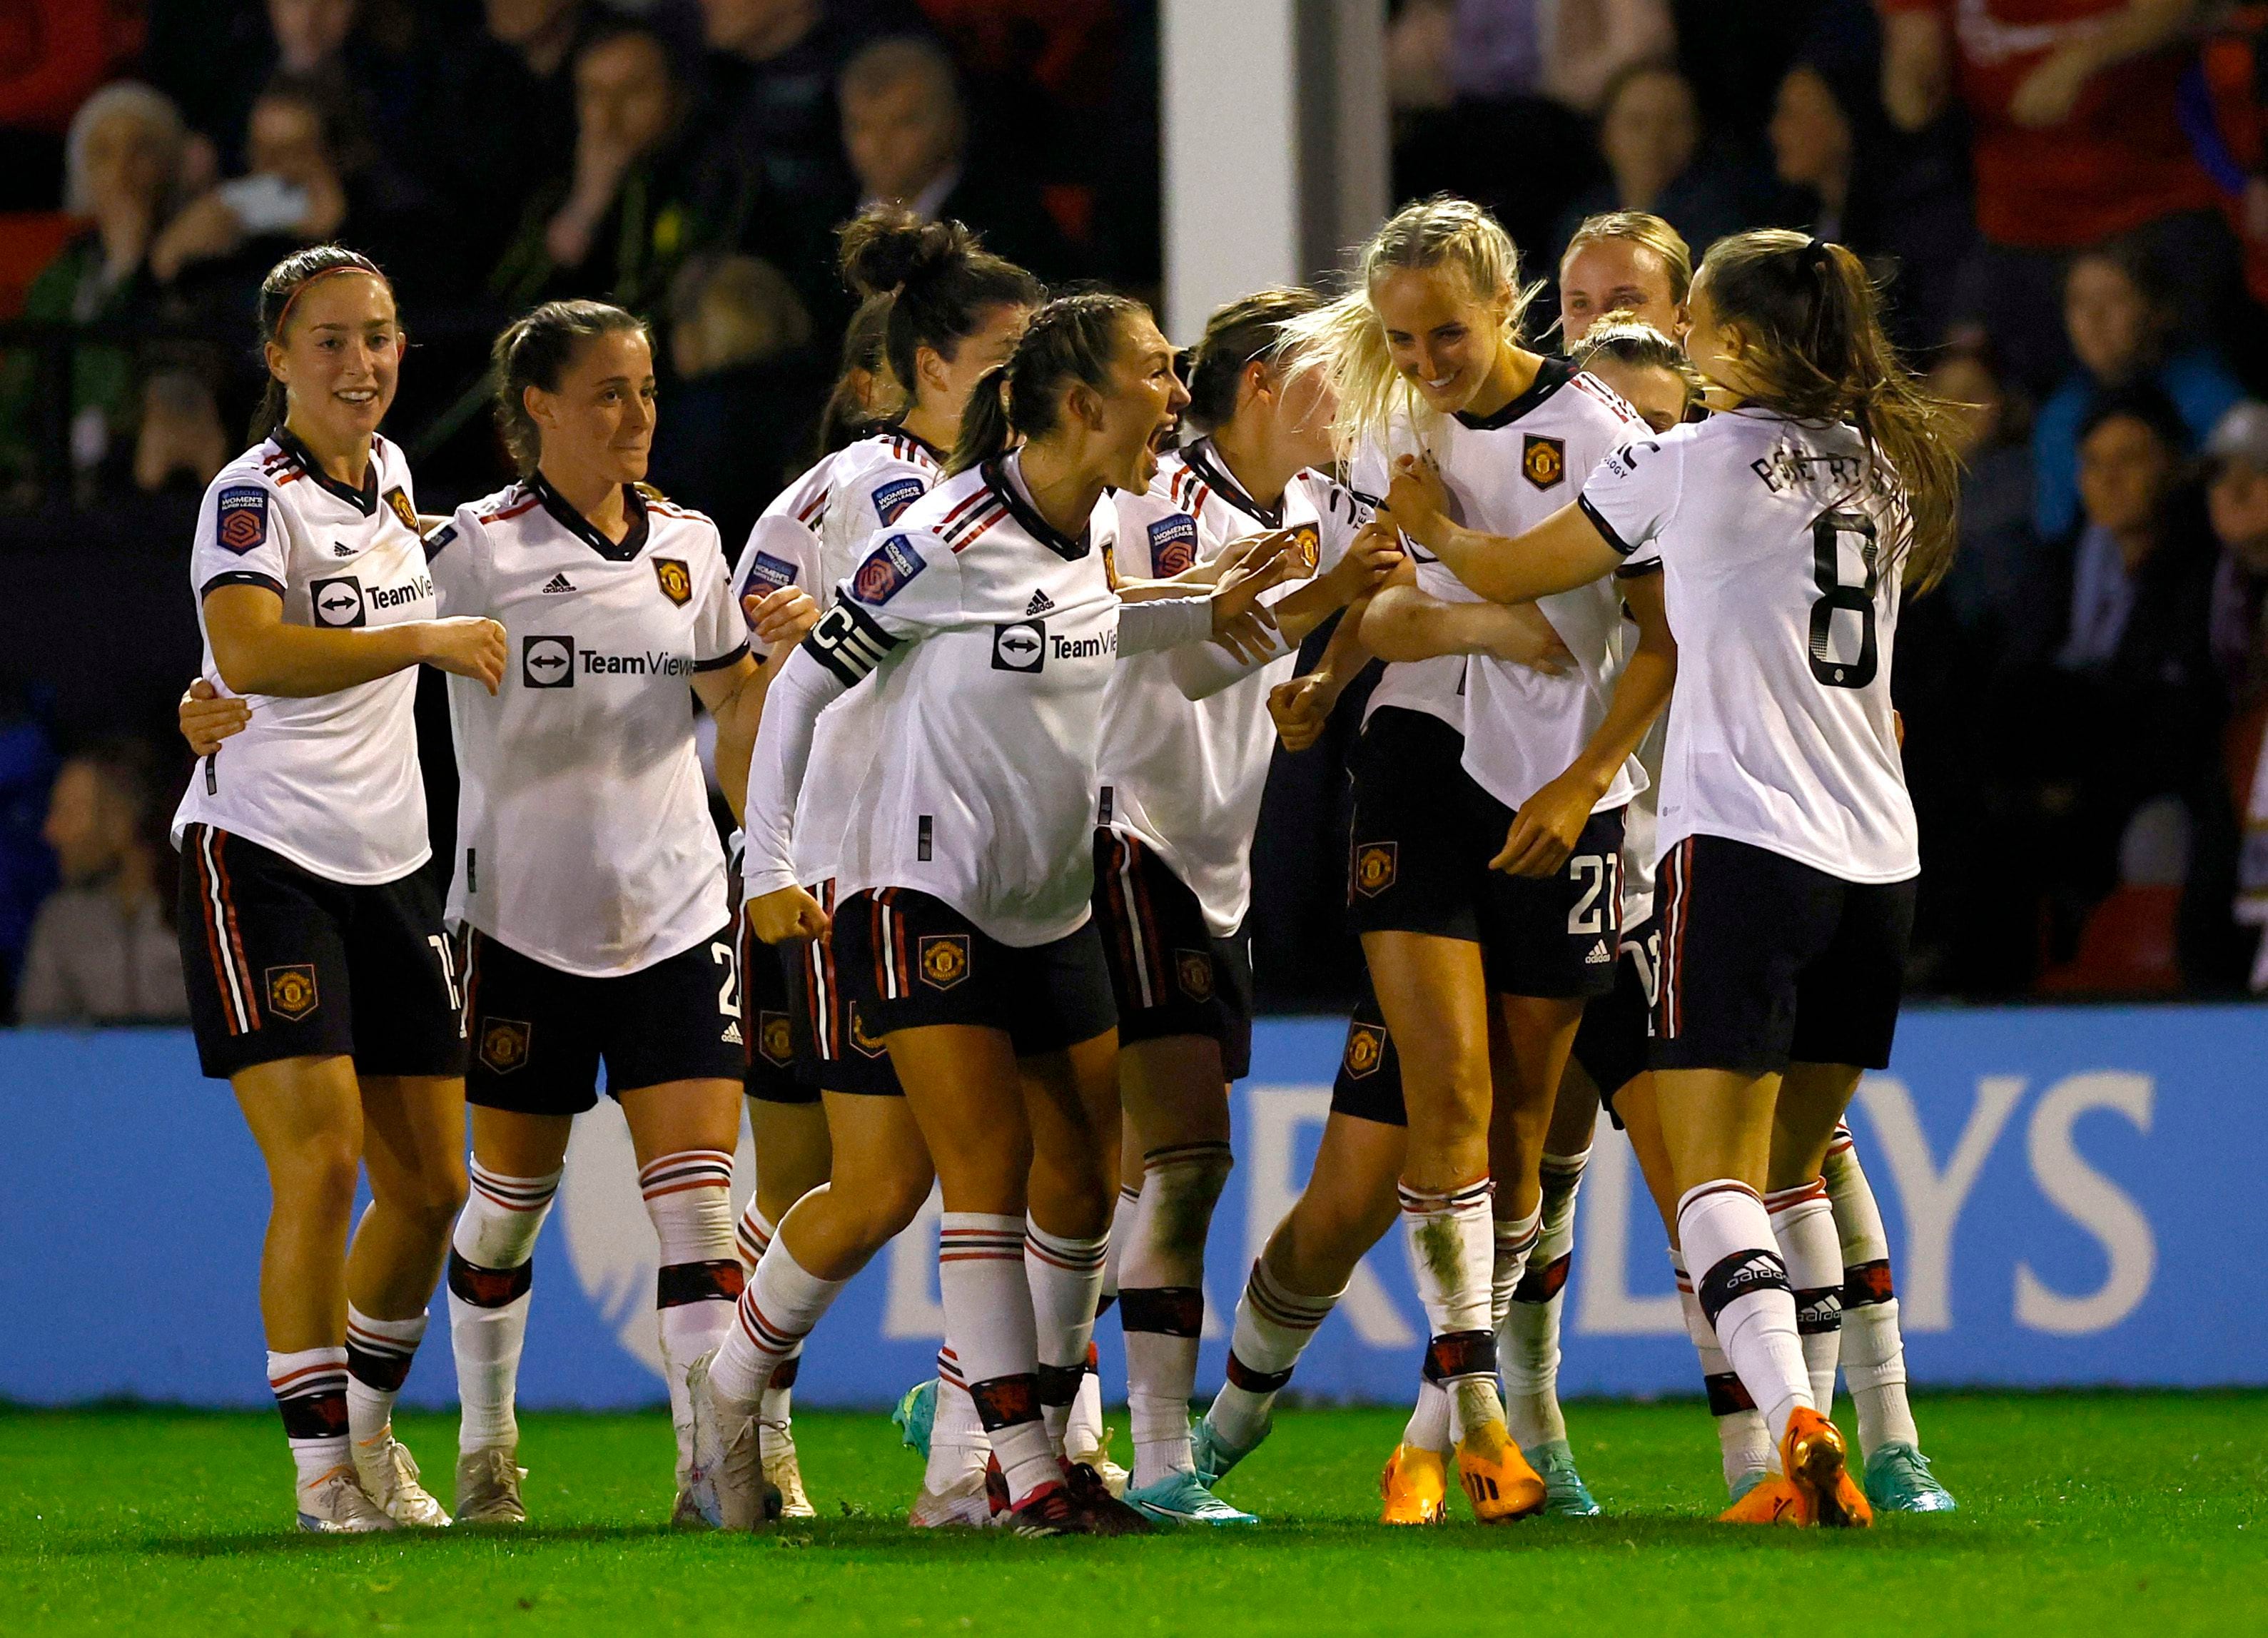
[[559, 583], [1600, 954], [1040, 604]]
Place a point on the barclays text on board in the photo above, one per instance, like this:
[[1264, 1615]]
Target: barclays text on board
[[2065, 1190]]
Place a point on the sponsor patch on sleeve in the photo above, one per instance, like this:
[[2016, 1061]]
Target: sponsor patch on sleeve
[[775, 572], [1172, 545], [242, 519], [896, 496], [889, 569]]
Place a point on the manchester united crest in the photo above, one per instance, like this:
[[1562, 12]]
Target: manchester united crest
[[944, 959], [1374, 865], [1306, 547], [1193, 971], [1366, 1049], [676, 580], [403, 510], [503, 1043], [292, 991], [775, 1039], [1544, 460], [869, 1045]]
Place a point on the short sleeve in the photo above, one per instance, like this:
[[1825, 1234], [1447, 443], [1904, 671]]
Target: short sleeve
[[1628, 496], [1155, 540], [879, 495], [720, 634], [906, 587], [780, 553], [453, 554], [1338, 519], [242, 536]]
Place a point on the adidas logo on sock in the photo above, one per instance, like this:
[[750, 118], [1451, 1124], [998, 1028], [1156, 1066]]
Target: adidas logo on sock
[[1599, 954], [559, 583], [1039, 605]]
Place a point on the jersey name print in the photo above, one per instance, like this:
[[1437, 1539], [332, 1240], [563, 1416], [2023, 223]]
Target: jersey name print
[[1777, 544], [582, 829], [330, 781]]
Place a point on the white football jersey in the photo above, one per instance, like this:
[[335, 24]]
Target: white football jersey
[[331, 781], [1186, 776], [1775, 539], [583, 840], [783, 549], [870, 485], [988, 638]]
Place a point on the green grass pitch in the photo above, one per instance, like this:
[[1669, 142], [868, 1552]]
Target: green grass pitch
[[2131, 1514]]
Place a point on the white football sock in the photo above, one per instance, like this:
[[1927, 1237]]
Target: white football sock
[[752, 1235], [777, 1408], [1428, 1427], [1274, 1325], [1452, 1243], [688, 1199], [378, 1353], [491, 1272], [1744, 1291], [1161, 1301], [1873, 1347], [1122, 1234], [1527, 1339], [957, 1445], [1065, 1275], [1803, 1224], [988, 1314], [310, 1385], [1743, 1444], [776, 1312]]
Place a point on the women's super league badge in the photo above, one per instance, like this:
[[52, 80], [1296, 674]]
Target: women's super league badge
[[887, 570], [242, 520], [1172, 545]]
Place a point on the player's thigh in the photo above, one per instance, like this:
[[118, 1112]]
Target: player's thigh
[[1173, 1090], [414, 1141], [881, 1167], [514, 1144], [1434, 999], [305, 1115], [1716, 1123], [1070, 1102], [964, 1087], [1810, 1105], [674, 1116], [793, 1150], [1350, 1202], [1641, 1123]]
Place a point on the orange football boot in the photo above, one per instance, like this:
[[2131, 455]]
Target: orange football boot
[[1811, 1455], [1772, 1500], [1416, 1486], [1498, 1481]]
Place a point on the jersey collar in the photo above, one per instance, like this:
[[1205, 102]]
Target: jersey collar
[[576, 524], [1200, 456], [1010, 489], [364, 501], [1554, 374], [897, 430]]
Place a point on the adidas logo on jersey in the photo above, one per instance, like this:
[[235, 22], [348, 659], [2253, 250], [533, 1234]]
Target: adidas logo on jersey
[[1600, 954], [559, 583], [1040, 603], [340, 548]]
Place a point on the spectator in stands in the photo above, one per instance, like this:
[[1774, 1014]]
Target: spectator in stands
[[618, 225], [2001, 577], [102, 948], [740, 354], [499, 117], [56, 52], [122, 171], [774, 177], [2118, 313], [181, 444], [2142, 568], [905, 131], [2236, 501], [1899, 201], [2075, 139], [1650, 136]]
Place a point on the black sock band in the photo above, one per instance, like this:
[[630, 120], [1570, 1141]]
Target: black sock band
[[489, 1287]]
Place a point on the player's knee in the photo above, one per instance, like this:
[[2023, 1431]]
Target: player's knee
[[434, 1193], [1181, 1193], [319, 1176]]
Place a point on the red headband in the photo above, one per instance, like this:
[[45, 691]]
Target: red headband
[[358, 265]]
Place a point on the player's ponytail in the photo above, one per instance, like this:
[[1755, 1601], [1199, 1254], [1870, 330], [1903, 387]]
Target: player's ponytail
[[943, 280], [1345, 340], [535, 349], [1073, 338], [1247, 331], [1813, 350], [864, 391], [278, 293]]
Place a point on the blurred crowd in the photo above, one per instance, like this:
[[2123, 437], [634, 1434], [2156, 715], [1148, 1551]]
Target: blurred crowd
[[2066, 200]]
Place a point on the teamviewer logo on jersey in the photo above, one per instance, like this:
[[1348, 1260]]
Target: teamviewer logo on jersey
[[546, 662], [1022, 647], [337, 602]]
